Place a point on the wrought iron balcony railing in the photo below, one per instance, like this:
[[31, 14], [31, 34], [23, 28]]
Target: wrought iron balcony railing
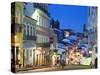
[[43, 44], [27, 37]]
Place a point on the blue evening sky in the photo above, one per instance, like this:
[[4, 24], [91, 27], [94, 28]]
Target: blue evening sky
[[72, 17]]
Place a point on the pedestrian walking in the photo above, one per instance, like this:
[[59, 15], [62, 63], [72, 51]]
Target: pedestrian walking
[[62, 64]]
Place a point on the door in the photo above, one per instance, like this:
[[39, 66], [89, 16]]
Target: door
[[33, 56], [13, 58]]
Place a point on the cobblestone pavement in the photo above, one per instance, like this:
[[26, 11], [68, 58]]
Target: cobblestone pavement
[[67, 67]]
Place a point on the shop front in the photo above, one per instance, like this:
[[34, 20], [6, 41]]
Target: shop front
[[15, 57], [16, 47], [42, 56], [29, 54], [54, 58]]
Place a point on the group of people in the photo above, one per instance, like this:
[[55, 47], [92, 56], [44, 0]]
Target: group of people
[[73, 56], [58, 62]]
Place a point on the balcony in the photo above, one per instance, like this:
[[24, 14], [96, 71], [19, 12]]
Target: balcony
[[26, 37], [43, 44]]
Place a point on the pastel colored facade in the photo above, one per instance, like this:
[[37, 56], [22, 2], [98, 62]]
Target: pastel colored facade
[[42, 33], [92, 25], [92, 32], [53, 47], [53, 39], [29, 41], [30, 36], [16, 36]]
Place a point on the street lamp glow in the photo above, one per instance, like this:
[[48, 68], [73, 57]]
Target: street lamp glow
[[67, 34], [15, 37], [37, 52]]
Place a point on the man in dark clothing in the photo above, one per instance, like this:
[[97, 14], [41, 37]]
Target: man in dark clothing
[[96, 63]]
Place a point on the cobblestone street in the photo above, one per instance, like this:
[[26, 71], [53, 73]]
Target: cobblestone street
[[67, 67]]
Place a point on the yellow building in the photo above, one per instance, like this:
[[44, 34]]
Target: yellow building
[[16, 36]]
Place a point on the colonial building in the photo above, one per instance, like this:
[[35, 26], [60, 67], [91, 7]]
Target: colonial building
[[38, 12], [29, 42], [42, 32], [53, 39], [92, 31], [53, 47], [16, 36]]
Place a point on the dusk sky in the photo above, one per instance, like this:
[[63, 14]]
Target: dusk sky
[[72, 17]]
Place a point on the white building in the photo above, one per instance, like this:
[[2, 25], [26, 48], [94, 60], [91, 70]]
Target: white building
[[39, 12], [29, 41], [92, 31]]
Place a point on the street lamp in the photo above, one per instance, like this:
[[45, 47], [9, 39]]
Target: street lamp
[[15, 38]]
